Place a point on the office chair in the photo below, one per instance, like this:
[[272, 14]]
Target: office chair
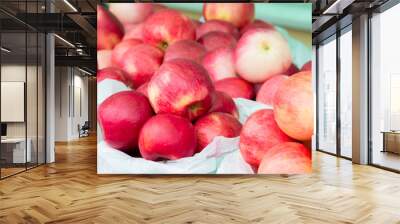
[[84, 130]]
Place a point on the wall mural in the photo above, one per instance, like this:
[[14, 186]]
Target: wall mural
[[213, 88]]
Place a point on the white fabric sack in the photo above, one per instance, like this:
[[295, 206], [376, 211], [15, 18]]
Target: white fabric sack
[[233, 163], [113, 161], [221, 156], [108, 87], [247, 107]]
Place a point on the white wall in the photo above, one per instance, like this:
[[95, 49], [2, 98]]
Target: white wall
[[79, 117], [70, 83], [61, 103]]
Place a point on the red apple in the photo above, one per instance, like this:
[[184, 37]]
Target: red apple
[[239, 14], [216, 39], [256, 24], [167, 136], [222, 102], [130, 13], [181, 87], [235, 88], [103, 59], [140, 62], [188, 49], [215, 124], [216, 25], [261, 54], [167, 26], [257, 87], [109, 29], [307, 144], [292, 70], [259, 134], [294, 106], [121, 116], [110, 73], [220, 63], [267, 91], [286, 158], [196, 23], [133, 31], [121, 48], [143, 89], [307, 66], [157, 7]]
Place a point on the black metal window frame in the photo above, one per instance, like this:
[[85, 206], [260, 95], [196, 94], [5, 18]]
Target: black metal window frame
[[334, 37], [340, 31]]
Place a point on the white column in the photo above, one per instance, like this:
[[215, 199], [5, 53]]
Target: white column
[[50, 98], [50, 92], [360, 90]]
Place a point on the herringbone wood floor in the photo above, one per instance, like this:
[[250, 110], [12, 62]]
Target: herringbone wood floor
[[70, 191]]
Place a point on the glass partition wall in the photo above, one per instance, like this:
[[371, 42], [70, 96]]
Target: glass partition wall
[[22, 77], [13, 88], [334, 80]]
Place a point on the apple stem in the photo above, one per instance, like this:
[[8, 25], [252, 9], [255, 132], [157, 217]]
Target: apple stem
[[265, 46], [163, 45]]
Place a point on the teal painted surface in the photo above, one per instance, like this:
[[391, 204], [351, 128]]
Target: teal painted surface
[[290, 15], [300, 52]]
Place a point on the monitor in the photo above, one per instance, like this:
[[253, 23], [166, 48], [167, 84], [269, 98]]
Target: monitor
[[3, 129]]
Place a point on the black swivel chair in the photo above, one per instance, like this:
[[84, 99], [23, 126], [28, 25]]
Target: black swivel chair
[[84, 130]]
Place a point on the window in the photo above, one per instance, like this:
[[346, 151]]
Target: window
[[346, 93], [385, 89], [327, 96]]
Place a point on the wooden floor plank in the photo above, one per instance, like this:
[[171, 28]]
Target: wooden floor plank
[[70, 191]]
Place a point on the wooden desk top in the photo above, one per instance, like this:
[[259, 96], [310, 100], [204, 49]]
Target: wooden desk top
[[391, 132], [13, 140]]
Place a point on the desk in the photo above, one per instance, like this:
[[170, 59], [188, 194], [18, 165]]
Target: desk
[[391, 141], [15, 148]]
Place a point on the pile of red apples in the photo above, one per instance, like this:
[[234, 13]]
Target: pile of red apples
[[183, 76]]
